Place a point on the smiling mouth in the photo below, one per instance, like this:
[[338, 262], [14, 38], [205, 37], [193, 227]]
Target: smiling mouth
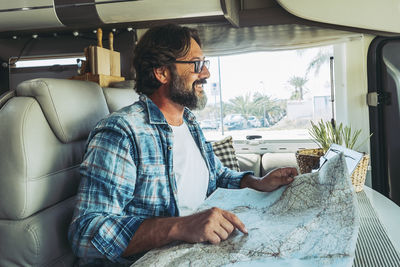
[[198, 84]]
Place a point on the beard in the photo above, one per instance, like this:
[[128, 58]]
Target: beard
[[187, 97]]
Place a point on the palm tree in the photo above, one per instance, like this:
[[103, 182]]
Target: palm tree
[[264, 107], [261, 103], [240, 104], [298, 83], [320, 59]]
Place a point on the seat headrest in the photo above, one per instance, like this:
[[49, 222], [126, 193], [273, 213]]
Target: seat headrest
[[118, 98], [72, 108]]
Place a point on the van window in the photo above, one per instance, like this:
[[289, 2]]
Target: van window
[[271, 94], [44, 66], [46, 62]]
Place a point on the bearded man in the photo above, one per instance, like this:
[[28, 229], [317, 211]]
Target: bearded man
[[148, 166]]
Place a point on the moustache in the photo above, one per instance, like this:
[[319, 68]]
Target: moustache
[[199, 81]]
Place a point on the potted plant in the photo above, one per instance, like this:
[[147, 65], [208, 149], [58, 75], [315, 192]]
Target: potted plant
[[326, 133]]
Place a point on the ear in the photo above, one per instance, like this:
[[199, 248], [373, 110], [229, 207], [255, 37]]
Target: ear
[[161, 74]]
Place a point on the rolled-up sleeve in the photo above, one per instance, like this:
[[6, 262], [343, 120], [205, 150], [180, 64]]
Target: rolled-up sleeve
[[100, 228]]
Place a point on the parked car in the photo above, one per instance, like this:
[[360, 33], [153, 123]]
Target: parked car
[[208, 124], [253, 122], [235, 122]]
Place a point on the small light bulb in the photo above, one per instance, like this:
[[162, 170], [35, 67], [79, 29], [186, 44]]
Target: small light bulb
[[130, 29], [75, 33], [15, 37], [34, 36]]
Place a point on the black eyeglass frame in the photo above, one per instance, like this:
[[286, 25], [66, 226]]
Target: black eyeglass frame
[[198, 64]]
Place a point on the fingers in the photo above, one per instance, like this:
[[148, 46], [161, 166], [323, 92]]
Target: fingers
[[212, 225], [276, 178], [291, 172], [214, 239], [286, 180], [227, 224], [221, 233], [285, 176], [234, 220]]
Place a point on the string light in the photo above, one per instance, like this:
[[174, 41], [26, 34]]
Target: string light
[[74, 33]]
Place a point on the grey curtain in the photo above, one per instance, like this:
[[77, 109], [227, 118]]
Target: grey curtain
[[218, 40]]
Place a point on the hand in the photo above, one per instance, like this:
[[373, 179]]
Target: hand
[[213, 225], [271, 181]]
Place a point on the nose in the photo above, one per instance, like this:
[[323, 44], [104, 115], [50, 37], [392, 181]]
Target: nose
[[204, 73]]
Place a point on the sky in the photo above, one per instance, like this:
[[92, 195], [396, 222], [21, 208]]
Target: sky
[[266, 72]]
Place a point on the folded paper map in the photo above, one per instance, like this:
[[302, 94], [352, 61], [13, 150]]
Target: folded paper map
[[312, 222]]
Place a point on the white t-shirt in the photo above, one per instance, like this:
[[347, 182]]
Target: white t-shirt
[[190, 170]]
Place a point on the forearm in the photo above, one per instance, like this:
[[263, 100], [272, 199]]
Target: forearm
[[212, 225], [250, 181], [153, 233]]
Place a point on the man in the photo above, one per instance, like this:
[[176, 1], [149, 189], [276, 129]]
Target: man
[[149, 164]]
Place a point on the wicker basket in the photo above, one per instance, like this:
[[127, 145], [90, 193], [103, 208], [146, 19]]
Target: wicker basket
[[308, 159], [360, 173]]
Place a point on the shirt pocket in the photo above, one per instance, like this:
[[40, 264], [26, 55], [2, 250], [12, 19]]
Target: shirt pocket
[[152, 193]]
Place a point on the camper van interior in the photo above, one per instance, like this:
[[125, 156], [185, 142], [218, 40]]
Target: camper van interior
[[275, 66]]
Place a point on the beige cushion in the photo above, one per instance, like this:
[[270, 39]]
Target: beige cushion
[[118, 98], [71, 107], [272, 161], [250, 162], [38, 240], [36, 169]]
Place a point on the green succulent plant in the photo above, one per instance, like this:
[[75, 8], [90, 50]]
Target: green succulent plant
[[327, 133]]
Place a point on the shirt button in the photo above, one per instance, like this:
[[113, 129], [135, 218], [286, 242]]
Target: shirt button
[[169, 147]]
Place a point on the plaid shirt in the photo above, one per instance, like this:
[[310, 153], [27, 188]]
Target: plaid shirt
[[127, 177]]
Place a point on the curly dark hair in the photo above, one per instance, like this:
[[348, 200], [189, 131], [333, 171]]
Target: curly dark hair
[[160, 46]]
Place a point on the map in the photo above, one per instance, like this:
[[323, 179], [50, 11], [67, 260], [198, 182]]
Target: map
[[311, 222]]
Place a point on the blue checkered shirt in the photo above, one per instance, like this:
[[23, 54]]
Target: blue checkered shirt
[[127, 177]]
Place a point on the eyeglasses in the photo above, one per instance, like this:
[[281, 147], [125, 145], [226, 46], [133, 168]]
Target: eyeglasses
[[198, 64]]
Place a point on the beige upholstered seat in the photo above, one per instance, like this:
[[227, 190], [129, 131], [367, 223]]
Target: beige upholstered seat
[[43, 131], [118, 98]]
